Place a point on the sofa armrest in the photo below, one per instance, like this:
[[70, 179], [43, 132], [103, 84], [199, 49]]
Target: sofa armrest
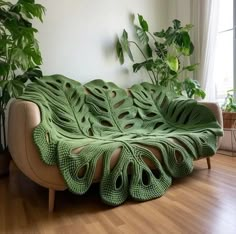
[[24, 116], [216, 110]]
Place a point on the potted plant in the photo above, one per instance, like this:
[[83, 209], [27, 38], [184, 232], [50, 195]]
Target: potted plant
[[19, 58], [229, 110], [164, 56]]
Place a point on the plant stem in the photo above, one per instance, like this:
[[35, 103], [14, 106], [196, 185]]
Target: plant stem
[[151, 78], [4, 132], [157, 79], [139, 49], [9, 61], [152, 36]]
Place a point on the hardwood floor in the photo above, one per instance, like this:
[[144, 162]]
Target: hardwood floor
[[204, 202]]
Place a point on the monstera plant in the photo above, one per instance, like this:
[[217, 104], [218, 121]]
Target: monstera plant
[[164, 56], [19, 53]]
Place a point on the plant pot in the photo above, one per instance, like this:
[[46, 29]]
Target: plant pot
[[4, 163], [229, 119]]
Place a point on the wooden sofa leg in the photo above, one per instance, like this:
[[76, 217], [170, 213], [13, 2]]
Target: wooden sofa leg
[[208, 163], [51, 200]]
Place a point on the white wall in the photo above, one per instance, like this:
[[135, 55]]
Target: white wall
[[77, 37], [180, 9]]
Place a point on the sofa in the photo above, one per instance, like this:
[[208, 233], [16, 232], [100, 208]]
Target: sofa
[[132, 141]]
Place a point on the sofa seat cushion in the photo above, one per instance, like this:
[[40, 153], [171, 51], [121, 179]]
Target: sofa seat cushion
[[134, 141]]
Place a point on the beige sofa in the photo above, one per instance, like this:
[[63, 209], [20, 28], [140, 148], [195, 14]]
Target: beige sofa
[[24, 116]]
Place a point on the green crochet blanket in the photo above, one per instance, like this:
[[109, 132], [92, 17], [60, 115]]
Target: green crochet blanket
[[99, 118]]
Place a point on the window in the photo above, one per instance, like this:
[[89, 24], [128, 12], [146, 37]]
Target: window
[[224, 60]]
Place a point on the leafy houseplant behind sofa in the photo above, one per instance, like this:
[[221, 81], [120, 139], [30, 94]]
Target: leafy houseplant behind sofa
[[164, 56], [19, 58], [100, 132]]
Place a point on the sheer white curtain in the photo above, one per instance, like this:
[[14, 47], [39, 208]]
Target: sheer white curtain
[[205, 20]]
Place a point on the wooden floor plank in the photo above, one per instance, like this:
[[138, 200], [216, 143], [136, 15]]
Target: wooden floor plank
[[203, 202]]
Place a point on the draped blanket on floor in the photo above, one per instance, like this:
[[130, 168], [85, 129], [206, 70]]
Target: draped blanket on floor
[[86, 125]]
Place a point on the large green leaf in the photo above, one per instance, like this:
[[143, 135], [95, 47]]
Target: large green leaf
[[112, 107], [191, 67], [176, 23], [183, 40], [14, 88], [84, 127], [148, 64], [4, 67], [143, 23], [173, 63], [193, 89], [148, 51], [142, 35], [5, 3], [161, 34], [53, 94], [3, 84], [119, 52], [31, 74], [125, 44], [178, 119], [161, 51], [31, 10]]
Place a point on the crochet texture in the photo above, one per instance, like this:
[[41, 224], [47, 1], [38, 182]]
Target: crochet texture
[[81, 125]]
